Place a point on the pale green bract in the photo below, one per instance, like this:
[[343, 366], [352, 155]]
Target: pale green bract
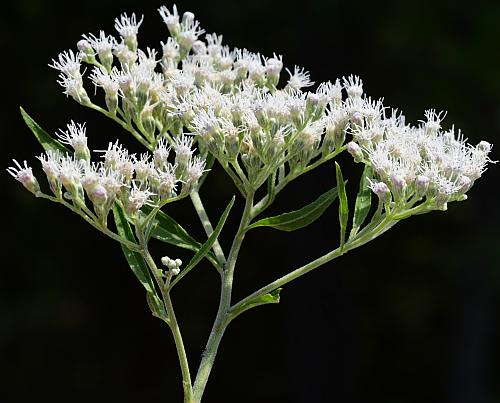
[[199, 105]]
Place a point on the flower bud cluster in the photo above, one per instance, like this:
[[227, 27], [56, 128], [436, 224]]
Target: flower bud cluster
[[172, 265], [119, 176], [415, 162]]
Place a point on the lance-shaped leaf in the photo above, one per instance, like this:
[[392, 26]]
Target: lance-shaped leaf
[[47, 142], [363, 201], [205, 248], [167, 230], [343, 207], [134, 259], [299, 218]]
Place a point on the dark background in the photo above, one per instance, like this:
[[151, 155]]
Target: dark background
[[411, 317]]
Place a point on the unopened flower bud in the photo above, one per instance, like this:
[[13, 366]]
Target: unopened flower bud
[[273, 70], [98, 195], [357, 118], [312, 102], [382, 191], [86, 51], [421, 185], [172, 265], [187, 18], [398, 186], [355, 150], [199, 48]]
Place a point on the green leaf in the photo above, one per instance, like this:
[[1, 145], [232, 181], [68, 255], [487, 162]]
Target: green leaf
[[47, 142], [205, 248], [299, 218], [343, 208], [156, 306], [134, 259], [272, 297], [167, 230], [363, 201]]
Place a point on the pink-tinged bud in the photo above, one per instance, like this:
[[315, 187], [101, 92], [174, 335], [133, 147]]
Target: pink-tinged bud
[[355, 150], [421, 185], [398, 182], [398, 186], [24, 174], [357, 118], [98, 195], [382, 191]]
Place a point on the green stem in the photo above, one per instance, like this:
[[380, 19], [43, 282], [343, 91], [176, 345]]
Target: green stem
[[172, 322], [266, 201], [222, 319], [234, 177], [207, 225], [242, 305], [123, 124], [131, 245]]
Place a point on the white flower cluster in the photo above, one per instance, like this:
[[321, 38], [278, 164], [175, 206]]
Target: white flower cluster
[[134, 181], [411, 163], [228, 98]]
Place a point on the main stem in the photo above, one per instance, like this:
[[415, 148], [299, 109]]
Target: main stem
[[222, 318]]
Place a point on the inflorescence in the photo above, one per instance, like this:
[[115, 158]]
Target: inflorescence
[[230, 102]]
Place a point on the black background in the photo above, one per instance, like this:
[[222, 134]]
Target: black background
[[411, 317]]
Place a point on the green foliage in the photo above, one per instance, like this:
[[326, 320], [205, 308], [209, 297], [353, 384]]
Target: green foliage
[[134, 259], [205, 248], [47, 142], [167, 230], [272, 297], [343, 207], [363, 201], [299, 218]]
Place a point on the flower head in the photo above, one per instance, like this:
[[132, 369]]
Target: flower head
[[24, 174]]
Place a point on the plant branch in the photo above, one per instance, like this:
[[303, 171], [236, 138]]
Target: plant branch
[[267, 200], [222, 319], [123, 124], [131, 245], [242, 306], [171, 321], [207, 225]]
